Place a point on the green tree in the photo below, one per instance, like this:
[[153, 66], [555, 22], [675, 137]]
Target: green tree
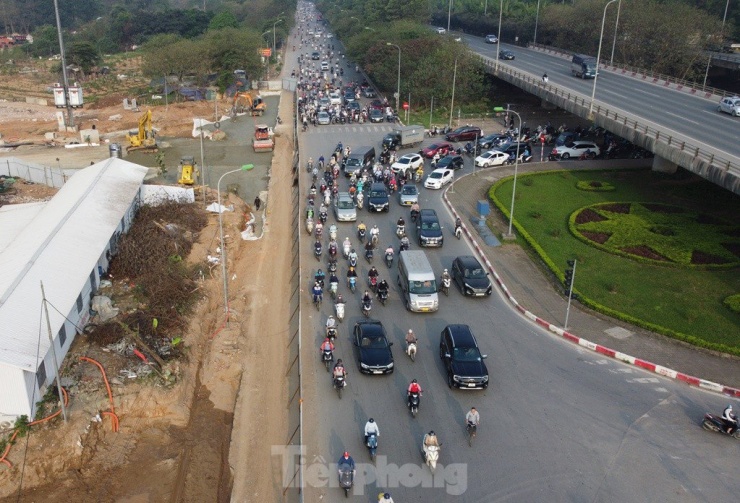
[[45, 41], [223, 19], [83, 54]]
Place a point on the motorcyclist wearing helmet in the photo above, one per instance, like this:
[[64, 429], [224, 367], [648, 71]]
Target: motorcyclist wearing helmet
[[369, 247], [339, 370], [445, 276], [331, 322], [346, 459], [327, 345], [401, 222], [371, 427], [411, 337], [385, 498], [372, 273], [352, 256], [383, 288], [375, 231], [319, 277], [366, 298], [318, 293], [361, 227], [430, 439], [414, 387], [405, 244], [730, 419]]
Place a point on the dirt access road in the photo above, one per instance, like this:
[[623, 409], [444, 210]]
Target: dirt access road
[[176, 444]]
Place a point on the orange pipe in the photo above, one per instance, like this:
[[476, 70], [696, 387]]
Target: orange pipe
[[38, 421], [112, 412]]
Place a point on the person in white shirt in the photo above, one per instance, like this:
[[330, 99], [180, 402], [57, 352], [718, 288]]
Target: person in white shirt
[[371, 427]]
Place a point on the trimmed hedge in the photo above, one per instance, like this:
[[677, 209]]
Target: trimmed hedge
[[733, 302], [594, 186]]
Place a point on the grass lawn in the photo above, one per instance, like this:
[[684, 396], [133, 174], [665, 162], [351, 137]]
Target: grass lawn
[[683, 300]]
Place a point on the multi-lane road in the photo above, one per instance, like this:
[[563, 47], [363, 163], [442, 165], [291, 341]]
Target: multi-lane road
[[559, 423], [688, 115]]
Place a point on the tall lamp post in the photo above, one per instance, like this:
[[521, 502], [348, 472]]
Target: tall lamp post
[[452, 102], [536, 21], [616, 26], [598, 59], [722, 34], [246, 167], [516, 166], [273, 36], [498, 44], [267, 60], [398, 80]]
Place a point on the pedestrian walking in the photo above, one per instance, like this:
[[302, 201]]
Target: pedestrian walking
[[257, 202]]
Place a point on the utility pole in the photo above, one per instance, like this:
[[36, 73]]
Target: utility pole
[[570, 277], [70, 116], [53, 352]]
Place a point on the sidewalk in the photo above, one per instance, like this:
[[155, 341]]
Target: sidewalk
[[533, 291]]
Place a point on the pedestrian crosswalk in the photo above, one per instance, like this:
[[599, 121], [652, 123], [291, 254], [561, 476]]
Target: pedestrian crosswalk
[[350, 128]]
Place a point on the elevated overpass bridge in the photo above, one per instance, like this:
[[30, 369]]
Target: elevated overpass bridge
[[679, 123]]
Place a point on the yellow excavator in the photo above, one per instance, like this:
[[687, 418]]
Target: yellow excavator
[[143, 139], [247, 101], [188, 171]]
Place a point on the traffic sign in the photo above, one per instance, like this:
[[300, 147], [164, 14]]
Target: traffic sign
[[405, 106]]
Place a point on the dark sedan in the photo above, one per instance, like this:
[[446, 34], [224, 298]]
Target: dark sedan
[[374, 354], [471, 277], [376, 115], [505, 55], [451, 161]]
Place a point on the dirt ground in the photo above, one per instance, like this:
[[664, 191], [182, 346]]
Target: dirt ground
[[175, 443]]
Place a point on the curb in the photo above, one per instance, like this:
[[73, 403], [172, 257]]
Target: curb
[[598, 348]]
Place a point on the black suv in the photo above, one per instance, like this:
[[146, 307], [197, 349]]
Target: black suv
[[315, 56], [510, 147], [374, 355], [451, 161], [470, 276], [490, 141], [462, 359], [464, 133], [430, 232], [377, 198]]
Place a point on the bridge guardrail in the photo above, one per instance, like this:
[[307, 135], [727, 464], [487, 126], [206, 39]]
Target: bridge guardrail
[[707, 90], [674, 140]]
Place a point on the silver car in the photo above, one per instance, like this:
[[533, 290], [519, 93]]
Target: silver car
[[730, 106], [344, 208], [408, 195], [323, 118]]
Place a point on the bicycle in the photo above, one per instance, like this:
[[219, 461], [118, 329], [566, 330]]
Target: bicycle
[[471, 430]]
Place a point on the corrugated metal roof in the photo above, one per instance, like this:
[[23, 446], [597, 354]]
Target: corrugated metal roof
[[60, 246], [14, 218]]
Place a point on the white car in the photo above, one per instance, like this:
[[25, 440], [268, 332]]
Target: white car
[[408, 164], [491, 158], [441, 31], [576, 149], [335, 98], [324, 66], [438, 178], [730, 106]]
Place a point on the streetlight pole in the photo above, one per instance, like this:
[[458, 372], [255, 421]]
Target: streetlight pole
[[398, 80], [616, 25], [598, 58], [273, 37], [246, 167], [536, 21], [70, 116], [498, 44], [449, 14], [485, 8], [721, 35], [452, 103], [516, 166]]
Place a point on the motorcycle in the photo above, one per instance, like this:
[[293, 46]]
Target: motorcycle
[[309, 225], [332, 266], [374, 239], [431, 456], [317, 250], [322, 217], [339, 307], [333, 289], [360, 200], [715, 423], [333, 250], [331, 332], [411, 350], [373, 280], [369, 255], [346, 478], [352, 281], [389, 259], [400, 231], [372, 445], [346, 247], [366, 308], [458, 231], [327, 356], [352, 259], [414, 215], [361, 235], [444, 286], [383, 296], [413, 403], [339, 384], [404, 245]]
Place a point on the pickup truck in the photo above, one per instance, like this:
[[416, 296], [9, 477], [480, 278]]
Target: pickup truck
[[405, 136]]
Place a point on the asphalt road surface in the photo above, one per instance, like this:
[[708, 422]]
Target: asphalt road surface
[[689, 115], [558, 423]]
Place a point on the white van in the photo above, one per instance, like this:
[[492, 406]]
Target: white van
[[417, 282]]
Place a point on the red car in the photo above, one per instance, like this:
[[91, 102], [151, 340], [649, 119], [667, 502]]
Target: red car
[[441, 148]]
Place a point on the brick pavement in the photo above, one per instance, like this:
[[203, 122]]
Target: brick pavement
[[529, 284]]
